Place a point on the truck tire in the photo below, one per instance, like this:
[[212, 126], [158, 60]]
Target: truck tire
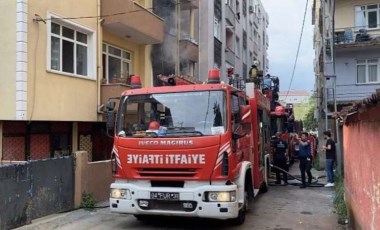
[[239, 220], [143, 218], [264, 187]]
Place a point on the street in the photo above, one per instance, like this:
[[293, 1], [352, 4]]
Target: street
[[282, 208]]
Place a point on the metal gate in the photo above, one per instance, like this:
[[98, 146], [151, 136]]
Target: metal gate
[[35, 189]]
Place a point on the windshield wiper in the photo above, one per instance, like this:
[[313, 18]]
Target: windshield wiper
[[151, 134], [176, 132]]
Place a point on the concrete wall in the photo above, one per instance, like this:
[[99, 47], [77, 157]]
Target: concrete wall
[[53, 96], [345, 12], [8, 59], [362, 168], [346, 85], [30, 190], [92, 177], [206, 38]]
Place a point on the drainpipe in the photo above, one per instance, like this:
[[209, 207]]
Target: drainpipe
[[178, 13], [99, 72], [1, 141]]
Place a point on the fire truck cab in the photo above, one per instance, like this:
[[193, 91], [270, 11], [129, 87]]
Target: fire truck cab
[[190, 150]]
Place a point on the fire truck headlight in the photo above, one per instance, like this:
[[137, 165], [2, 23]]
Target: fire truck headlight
[[117, 193], [222, 196]]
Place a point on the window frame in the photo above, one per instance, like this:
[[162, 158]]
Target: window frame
[[366, 20], [237, 46], [76, 27], [129, 61], [367, 63], [217, 29]]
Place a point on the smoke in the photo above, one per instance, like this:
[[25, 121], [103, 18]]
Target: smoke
[[164, 55]]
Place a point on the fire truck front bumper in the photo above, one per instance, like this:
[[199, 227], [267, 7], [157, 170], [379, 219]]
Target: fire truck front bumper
[[206, 201]]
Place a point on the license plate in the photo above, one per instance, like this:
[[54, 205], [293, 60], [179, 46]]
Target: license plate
[[164, 195]]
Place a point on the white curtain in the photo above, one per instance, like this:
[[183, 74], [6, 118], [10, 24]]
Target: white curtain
[[360, 18]]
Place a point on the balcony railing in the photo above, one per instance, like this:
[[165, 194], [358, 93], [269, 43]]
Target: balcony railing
[[188, 48], [189, 4], [349, 37], [133, 22]]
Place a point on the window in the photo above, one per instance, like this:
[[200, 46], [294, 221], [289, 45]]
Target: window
[[367, 17], [116, 62], [237, 50], [258, 42], [71, 49], [237, 6], [367, 71], [251, 30], [217, 28], [229, 37], [229, 3], [244, 56]]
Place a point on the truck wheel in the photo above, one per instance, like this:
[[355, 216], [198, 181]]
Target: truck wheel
[[264, 187], [143, 217], [239, 220]]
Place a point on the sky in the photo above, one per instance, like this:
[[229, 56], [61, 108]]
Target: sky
[[285, 22]]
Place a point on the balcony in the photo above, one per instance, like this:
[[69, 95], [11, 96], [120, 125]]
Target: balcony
[[189, 4], [188, 49], [350, 38], [110, 91], [132, 22]]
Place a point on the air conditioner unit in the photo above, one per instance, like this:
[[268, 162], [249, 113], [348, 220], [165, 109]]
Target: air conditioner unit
[[251, 9]]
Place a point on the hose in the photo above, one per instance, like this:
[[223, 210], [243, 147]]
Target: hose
[[314, 182]]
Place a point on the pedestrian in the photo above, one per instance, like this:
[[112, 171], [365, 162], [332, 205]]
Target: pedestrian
[[296, 146], [305, 158], [330, 150], [280, 155]]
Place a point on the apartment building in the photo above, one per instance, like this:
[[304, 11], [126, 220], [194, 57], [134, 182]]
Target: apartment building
[[179, 53], [357, 50], [233, 35], [294, 97], [347, 60], [60, 62]]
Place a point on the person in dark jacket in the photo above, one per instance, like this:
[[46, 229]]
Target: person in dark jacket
[[305, 158], [280, 155], [330, 150]]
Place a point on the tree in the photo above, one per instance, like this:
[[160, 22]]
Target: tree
[[310, 123]]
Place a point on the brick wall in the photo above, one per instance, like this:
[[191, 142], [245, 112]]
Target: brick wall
[[14, 148], [39, 146], [362, 168]]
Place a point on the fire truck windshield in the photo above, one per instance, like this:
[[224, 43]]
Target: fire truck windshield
[[172, 114]]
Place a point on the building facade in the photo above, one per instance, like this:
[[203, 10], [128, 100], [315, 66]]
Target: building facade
[[60, 64], [357, 50], [346, 53], [178, 54], [233, 34], [294, 97]]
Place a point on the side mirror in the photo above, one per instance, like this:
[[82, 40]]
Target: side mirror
[[110, 114], [110, 106], [236, 135], [110, 122], [245, 113]]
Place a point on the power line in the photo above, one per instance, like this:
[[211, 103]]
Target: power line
[[298, 49]]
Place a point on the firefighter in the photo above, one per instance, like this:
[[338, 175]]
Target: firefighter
[[305, 158], [280, 156]]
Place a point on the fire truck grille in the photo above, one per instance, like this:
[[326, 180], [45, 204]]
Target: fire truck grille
[[159, 173], [184, 206]]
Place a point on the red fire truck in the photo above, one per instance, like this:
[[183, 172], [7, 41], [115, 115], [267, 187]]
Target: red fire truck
[[193, 150]]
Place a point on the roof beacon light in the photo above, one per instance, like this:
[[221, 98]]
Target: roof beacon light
[[135, 82], [213, 76]]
